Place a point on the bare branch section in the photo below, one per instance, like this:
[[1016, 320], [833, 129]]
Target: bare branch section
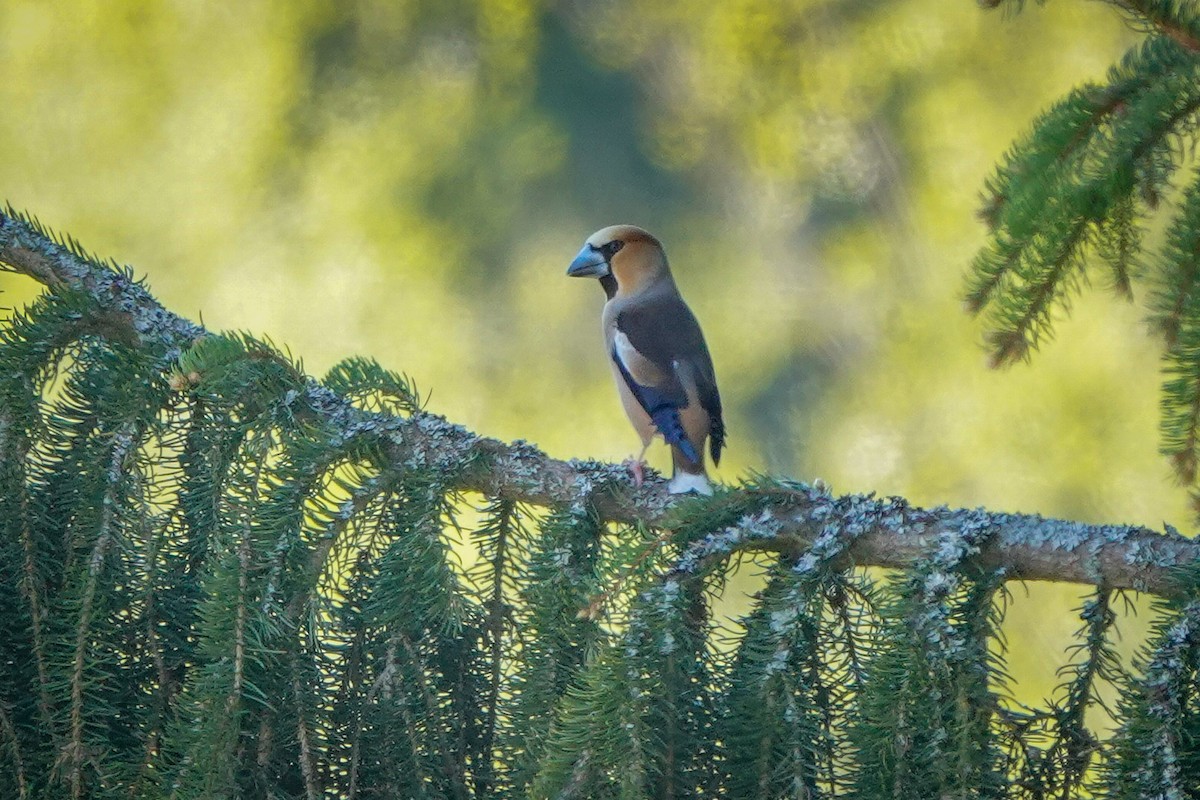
[[888, 532]]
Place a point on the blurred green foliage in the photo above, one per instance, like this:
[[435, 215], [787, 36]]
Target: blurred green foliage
[[408, 180]]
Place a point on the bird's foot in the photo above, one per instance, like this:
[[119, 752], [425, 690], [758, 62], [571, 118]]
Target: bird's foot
[[636, 468]]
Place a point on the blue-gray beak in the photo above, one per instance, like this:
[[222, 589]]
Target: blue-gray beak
[[590, 263]]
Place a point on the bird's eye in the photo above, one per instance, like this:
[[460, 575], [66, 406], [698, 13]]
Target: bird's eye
[[612, 247]]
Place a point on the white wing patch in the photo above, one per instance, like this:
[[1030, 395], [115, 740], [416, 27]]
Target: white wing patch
[[640, 368], [625, 349]]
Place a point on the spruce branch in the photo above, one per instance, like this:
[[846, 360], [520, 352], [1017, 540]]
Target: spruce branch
[[1086, 180], [1174, 19], [308, 757], [31, 590], [13, 742], [791, 516], [501, 530], [1075, 744], [1154, 751]]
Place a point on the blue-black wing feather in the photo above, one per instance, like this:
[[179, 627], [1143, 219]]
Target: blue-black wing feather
[[666, 332], [663, 408]]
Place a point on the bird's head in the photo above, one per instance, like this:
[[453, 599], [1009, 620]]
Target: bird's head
[[623, 257]]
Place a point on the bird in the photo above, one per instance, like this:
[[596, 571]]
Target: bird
[[661, 364]]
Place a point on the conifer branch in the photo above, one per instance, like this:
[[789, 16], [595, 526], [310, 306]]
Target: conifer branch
[[308, 758], [505, 520], [1164, 18], [14, 744], [31, 588], [892, 533]]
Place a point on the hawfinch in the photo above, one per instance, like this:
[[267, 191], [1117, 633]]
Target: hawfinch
[[659, 360]]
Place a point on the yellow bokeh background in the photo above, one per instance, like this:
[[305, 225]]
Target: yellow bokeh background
[[408, 181]]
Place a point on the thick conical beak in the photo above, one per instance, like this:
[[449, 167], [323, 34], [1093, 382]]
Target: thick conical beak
[[588, 264]]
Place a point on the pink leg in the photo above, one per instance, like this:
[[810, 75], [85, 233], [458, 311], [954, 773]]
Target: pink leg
[[636, 466]]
